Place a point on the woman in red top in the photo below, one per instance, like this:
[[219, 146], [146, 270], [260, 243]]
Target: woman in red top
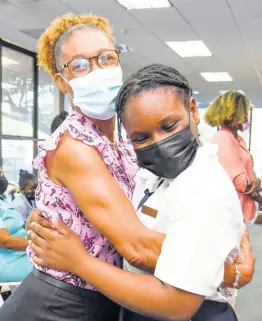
[[230, 112]]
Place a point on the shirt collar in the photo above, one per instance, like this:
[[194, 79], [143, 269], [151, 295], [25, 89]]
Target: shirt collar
[[149, 180]]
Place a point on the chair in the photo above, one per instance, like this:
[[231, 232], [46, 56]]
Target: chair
[[7, 286]]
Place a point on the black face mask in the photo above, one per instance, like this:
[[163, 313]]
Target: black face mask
[[30, 197], [171, 156]]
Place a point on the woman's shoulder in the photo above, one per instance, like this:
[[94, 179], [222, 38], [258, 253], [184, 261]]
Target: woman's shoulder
[[224, 136], [75, 127]]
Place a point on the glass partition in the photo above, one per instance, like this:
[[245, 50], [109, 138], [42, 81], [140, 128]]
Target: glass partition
[[48, 104], [29, 101], [17, 93]]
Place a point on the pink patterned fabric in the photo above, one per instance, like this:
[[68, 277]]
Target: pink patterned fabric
[[56, 202]]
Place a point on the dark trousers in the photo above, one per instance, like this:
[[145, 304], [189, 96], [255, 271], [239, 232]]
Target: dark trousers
[[215, 311], [209, 311], [42, 298]]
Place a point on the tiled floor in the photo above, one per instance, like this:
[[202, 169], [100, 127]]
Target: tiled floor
[[249, 300]]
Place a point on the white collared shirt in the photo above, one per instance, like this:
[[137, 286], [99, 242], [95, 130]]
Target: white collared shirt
[[200, 213]]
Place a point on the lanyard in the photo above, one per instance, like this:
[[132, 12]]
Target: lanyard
[[148, 195]]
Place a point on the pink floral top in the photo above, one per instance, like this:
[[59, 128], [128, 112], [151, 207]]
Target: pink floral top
[[56, 202]]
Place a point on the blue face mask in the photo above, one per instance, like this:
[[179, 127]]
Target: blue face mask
[[96, 92]]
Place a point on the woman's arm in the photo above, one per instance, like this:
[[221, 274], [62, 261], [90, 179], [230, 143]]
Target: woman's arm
[[54, 251], [235, 168], [233, 164], [138, 292], [11, 242], [81, 169], [257, 197], [245, 262]]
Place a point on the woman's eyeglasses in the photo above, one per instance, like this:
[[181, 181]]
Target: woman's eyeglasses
[[80, 67]]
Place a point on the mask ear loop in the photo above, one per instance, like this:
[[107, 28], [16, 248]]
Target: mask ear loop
[[189, 123], [67, 83]]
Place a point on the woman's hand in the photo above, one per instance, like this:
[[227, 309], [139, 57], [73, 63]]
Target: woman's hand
[[253, 186], [59, 249], [37, 217], [245, 262], [258, 183]]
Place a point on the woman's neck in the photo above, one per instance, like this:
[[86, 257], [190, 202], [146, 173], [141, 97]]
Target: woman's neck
[[107, 127], [233, 130]]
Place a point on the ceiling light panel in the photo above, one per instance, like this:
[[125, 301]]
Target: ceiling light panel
[[144, 4], [186, 49], [216, 76]]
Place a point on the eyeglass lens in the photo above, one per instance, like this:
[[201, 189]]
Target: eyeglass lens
[[82, 66]]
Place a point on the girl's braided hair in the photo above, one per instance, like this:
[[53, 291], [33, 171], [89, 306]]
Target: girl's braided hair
[[148, 78]]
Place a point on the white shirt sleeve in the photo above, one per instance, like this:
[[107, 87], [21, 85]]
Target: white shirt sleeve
[[206, 226]]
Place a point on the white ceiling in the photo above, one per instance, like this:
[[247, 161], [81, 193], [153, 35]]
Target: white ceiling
[[231, 29]]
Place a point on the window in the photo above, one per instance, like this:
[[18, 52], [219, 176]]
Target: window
[[28, 104], [17, 93], [48, 104], [16, 155], [67, 103], [256, 140]]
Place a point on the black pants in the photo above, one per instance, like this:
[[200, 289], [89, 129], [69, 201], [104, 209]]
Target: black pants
[[42, 298], [209, 311], [215, 311]]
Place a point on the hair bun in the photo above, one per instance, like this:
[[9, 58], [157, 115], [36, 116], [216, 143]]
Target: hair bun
[[22, 172]]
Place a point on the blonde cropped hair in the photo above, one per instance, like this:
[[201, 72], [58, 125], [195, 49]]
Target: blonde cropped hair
[[61, 28], [231, 106]]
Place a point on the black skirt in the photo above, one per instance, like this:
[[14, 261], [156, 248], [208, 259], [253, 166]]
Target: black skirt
[[43, 298]]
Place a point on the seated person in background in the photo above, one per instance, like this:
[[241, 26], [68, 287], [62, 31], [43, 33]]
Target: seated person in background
[[58, 120], [24, 202], [14, 262]]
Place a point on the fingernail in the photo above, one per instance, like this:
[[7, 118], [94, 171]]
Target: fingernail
[[28, 233], [30, 242]]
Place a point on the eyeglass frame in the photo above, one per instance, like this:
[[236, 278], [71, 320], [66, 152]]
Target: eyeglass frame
[[66, 65]]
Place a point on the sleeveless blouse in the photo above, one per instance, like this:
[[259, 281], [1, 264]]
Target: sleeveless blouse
[[56, 202]]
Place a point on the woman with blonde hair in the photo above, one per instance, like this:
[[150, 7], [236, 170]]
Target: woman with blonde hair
[[229, 112]]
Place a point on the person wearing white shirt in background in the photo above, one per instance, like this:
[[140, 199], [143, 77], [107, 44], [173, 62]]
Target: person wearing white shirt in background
[[24, 202], [194, 203]]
